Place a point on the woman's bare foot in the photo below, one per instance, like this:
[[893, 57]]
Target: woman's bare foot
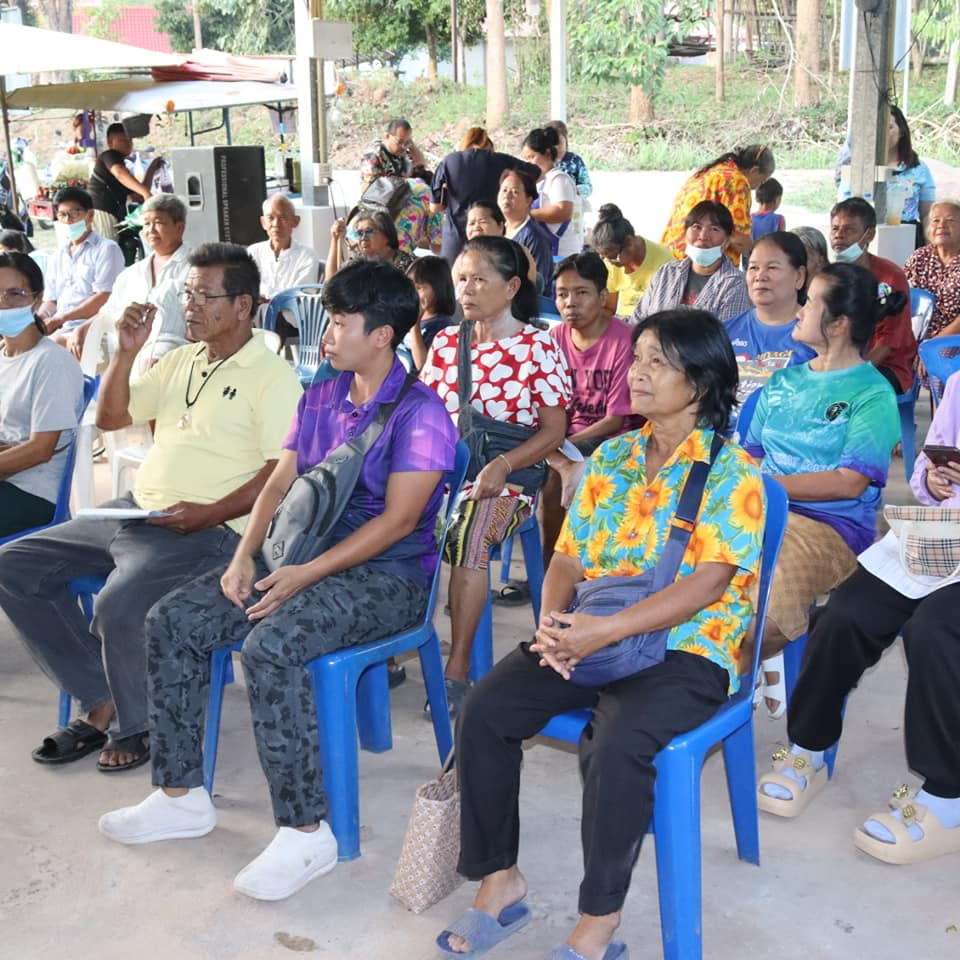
[[497, 890], [592, 935]]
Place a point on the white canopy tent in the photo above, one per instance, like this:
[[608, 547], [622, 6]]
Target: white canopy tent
[[143, 95], [31, 50]]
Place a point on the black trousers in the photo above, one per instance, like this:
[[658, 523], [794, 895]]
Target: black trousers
[[633, 719], [20, 510], [848, 635]]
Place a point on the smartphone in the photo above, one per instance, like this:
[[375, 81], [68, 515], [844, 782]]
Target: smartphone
[[942, 456]]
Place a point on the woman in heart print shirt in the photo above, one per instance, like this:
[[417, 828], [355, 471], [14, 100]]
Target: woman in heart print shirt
[[520, 376]]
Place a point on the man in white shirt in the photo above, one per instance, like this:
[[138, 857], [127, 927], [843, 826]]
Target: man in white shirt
[[282, 261], [157, 279], [81, 275]]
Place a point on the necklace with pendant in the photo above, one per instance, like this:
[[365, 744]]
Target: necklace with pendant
[[207, 375]]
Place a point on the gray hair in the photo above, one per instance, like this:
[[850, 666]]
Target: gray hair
[[283, 198], [813, 239], [166, 203], [955, 204]]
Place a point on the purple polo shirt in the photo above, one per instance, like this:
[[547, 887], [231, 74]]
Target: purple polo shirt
[[418, 436]]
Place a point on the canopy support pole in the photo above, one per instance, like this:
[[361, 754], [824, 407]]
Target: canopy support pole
[[15, 206]]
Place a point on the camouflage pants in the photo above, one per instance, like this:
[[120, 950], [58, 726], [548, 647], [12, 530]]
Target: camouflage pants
[[355, 606]]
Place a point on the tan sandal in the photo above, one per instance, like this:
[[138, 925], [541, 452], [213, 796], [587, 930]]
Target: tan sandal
[[802, 765], [937, 840]]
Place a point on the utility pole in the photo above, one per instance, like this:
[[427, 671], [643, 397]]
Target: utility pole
[[872, 80]]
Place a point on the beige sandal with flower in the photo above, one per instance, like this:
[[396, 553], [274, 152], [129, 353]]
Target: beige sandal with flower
[[800, 794], [937, 840]]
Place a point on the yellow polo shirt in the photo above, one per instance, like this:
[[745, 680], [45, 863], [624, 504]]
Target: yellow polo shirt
[[632, 285], [241, 412]]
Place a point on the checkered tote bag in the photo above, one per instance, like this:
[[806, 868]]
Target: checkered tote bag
[[929, 539], [427, 870]]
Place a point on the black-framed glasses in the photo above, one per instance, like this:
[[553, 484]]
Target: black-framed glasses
[[200, 299]]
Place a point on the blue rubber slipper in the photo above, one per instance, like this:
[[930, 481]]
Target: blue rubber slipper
[[481, 931], [616, 951]]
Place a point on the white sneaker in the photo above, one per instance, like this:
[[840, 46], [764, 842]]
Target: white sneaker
[[160, 817], [289, 863]]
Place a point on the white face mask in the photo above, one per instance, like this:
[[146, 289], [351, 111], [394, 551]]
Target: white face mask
[[853, 253], [704, 256]]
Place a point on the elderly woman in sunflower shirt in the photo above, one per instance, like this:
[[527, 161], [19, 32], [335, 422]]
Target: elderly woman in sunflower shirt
[[683, 380]]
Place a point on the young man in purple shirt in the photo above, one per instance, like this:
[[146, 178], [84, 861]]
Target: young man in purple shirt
[[599, 353], [371, 583]]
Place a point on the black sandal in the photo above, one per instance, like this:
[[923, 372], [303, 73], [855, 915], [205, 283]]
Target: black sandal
[[514, 593], [136, 743], [69, 743]]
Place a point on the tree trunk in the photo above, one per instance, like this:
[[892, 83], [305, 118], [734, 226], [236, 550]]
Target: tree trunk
[[431, 53], [806, 89], [720, 91], [496, 65], [58, 14], [950, 91], [641, 106]]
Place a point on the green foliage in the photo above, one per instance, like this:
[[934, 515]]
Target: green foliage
[[627, 42], [248, 27], [104, 23]]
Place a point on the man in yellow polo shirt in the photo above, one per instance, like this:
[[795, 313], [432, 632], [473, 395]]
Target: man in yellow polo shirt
[[222, 407]]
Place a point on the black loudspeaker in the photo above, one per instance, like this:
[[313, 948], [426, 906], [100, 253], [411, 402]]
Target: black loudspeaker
[[224, 189]]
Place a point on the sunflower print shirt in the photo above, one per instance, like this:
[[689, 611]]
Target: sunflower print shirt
[[619, 522]]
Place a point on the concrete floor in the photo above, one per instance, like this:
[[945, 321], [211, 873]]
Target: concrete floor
[[65, 891]]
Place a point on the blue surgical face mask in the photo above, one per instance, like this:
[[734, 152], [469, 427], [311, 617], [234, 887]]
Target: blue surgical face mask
[[14, 320], [69, 232], [853, 253], [704, 256]]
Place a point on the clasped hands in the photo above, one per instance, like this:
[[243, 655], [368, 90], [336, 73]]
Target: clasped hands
[[238, 585], [942, 480], [564, 639]]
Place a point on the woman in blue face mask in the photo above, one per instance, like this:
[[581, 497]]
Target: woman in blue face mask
[[41, 399], [705, 279]]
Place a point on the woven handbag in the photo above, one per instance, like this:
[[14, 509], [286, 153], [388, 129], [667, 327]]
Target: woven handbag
[[427, 869], [929, 539]]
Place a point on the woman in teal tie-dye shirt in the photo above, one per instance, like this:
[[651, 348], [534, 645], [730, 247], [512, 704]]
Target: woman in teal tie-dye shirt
[[825, 430]]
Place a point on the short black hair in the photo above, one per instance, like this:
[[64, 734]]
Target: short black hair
[[717, 212], [856, 207], [435, 273], [75, 195], [397, 124], [240, 273], [379, 292], [770, 190], [116, 128], [853, 292], [697, 343], [588, 264]]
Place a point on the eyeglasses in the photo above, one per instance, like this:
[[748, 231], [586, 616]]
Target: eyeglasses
[[14, 293], [367, 233], [70, 216], [200, 299]]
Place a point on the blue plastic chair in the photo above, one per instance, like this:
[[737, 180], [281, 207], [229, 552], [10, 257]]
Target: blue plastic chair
[[922, 305], [906, 403], [941, 357], [84, 589], [548, 307], [676, 812], [304, 303], [61, 510], [352, 695], [792, 663], [481, 653]]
